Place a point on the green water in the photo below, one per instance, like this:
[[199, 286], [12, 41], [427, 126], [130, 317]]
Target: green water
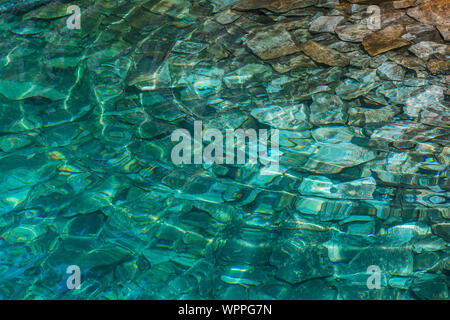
[[87, 175]]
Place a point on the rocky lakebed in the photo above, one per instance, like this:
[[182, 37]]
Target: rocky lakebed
[[358, 91]]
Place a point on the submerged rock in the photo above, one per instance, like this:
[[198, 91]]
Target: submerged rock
[[425, 49], [323, 54], [333, 158], [327, 109], [291, 62], [353, 33], [89, 119], [432, 12], [391, 71], [325, 23], [287, 117], [385, 39], [272, 43], [324, 187], [439, 65]]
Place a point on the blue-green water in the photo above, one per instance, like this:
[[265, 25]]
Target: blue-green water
[[89, 104]]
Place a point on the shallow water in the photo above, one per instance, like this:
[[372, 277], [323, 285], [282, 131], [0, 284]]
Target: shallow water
[[358, 208]]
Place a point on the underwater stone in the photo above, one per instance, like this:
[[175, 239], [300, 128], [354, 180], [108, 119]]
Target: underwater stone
[[353, 33], [227, 16], [324, 187], [323, 54], [325, 23], [426, 261], [242, 76], [425, 49], [332, 158], [361, 116], [188, 47], [88, 179], [430, 287], [438, 65], [283, 117], [350, 89], [291, 62], [325, 209], [327, 109], [392, 260], [50, 11], [385, 39], [391, 71], [442, 230], [272, 43], [296, 262], [445, 32], [432, 12], [430, 96]]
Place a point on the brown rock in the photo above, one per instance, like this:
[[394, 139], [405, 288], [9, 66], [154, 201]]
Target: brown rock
[[445, 32], [394, 16], [369, 1], [279, 6], [323, 54], [385, 39], [436, 12], [438, 66], [412, 63], [401, 4]]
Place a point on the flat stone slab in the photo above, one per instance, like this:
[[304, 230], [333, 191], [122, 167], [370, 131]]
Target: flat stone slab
[[325, 23], [323, 54], [272, 43], [353, 33], [435, 12], [385, 40]]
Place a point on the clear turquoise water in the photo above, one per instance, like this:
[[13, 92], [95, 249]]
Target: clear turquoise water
[[87, 178]]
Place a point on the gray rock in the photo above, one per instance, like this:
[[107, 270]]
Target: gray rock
[[391, 71], [325, 23], [353, 33], [425, 49], [272, 43]]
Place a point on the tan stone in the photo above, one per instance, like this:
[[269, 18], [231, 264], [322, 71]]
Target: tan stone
[[385, 39], [369, 1], [438, 66], [401, 4], [436, 12], [323, 54], [412, 63], [444, 31]]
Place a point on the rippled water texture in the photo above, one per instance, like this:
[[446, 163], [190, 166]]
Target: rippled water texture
[[87, 178]]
